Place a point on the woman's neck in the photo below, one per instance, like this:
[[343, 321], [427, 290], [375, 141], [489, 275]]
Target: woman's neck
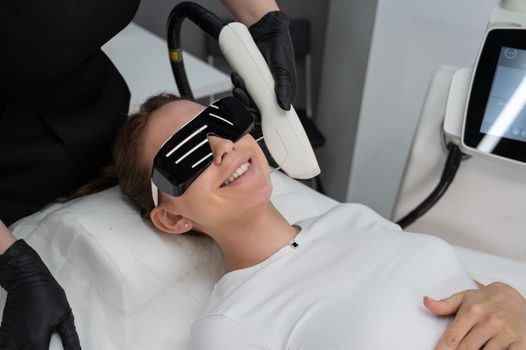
[[254, 238]]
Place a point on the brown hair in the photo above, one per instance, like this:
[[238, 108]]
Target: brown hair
[[104, 178], [133, 174]]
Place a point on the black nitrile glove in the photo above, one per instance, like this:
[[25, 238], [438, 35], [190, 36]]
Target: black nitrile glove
[[240, 92], [36, 304], [272, 37]]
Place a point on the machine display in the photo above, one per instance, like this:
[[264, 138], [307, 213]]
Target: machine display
[[508, 84], [495, 120]]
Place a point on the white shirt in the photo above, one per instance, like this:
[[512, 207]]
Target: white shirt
[[355, 281]]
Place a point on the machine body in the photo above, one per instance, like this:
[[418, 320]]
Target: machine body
[[485, 112]]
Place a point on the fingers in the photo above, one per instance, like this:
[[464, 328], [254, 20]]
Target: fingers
[[465, 320], [518, 345], [498, 343], [240, 92], [242, 96], [68, 333], [480, 334], [454, 334], [492, 317], [282, 87], [282, 66], [237, 81], [446, 306]]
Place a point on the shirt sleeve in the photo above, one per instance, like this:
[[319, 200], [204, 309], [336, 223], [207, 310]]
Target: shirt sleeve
[[220, 332]]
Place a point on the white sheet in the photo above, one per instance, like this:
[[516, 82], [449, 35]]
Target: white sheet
[[133, 288]]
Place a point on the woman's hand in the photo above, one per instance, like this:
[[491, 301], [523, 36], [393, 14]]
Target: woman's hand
[[492, 317]]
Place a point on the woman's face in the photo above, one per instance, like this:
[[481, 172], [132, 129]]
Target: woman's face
[[208, 202]]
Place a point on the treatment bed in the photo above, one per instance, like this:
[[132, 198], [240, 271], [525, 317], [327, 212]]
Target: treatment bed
[[132, 287]]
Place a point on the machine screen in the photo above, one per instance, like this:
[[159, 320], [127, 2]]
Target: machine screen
[[495, 120], [505, 114]]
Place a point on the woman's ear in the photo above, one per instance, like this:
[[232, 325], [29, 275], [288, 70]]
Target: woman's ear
[[169, 222]]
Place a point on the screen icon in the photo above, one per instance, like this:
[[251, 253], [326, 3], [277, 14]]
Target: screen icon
[[510, 53]]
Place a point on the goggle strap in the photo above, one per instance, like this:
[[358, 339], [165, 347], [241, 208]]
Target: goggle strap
[[155, 194]]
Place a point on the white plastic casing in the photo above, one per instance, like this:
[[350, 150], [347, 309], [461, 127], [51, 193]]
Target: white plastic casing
[[456, 104], [282, 130]]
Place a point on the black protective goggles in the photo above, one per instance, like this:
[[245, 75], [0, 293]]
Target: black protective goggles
[[187, 153]]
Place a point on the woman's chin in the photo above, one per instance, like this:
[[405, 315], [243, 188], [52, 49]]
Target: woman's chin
[[251, 194]]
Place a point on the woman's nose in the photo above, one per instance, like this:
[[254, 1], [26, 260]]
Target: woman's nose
[[220, 147]]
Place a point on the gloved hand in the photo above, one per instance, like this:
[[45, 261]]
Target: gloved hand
[[36, 304], [240, 92], [271, 35]]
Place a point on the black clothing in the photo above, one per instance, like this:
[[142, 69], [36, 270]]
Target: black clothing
[[46, 40], [36, 304], [61, 98]]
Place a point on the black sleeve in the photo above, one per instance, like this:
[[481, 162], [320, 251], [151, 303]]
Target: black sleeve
[[44, 40]]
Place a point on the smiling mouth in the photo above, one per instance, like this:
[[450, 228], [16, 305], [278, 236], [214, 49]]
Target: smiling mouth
[[237, 173]]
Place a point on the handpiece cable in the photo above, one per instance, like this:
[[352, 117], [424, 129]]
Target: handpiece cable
[[206, 20], [448, 175]]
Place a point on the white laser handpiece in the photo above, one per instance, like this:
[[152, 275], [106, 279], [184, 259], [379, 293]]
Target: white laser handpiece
[[283, 132]]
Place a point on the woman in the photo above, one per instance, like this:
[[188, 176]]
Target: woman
[[348, 279]]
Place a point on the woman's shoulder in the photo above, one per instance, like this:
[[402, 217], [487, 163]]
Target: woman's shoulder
[[361, 222], [353, 216]]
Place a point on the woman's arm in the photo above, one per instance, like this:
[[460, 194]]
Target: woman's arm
[[493, 317], [6, 238], [249, 12]]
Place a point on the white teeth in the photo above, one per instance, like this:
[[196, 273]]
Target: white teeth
[[239, 171]]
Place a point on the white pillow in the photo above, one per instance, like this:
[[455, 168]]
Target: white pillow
[[125, 258], [104, 237]]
